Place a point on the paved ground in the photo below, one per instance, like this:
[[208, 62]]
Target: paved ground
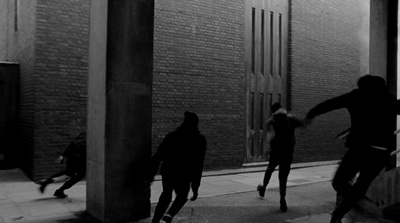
[[225, 196]]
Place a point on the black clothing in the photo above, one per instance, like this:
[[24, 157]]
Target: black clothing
[[284, 163], [282, 126], [76, 156], [369, 166], [373, 117], [373, 121], [170, 184], [181, 155], [76, 165]]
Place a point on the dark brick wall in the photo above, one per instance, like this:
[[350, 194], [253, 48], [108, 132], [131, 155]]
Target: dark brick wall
[[198, 66], [327, 56], [61, 61], [26, 57]]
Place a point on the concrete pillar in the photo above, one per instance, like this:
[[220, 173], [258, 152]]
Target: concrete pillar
[[383, 45], [119, 109]]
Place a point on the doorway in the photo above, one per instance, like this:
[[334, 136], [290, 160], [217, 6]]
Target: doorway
[[266, 62]]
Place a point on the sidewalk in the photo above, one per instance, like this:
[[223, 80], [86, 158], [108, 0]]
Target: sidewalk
[[20, 200]]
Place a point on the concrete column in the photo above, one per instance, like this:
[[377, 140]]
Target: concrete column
[[383, 46], [119, 109]]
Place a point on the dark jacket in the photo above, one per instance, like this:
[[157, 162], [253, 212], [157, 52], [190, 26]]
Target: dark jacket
[[76, 152], [373, 117], [283, 126], [181, 155]]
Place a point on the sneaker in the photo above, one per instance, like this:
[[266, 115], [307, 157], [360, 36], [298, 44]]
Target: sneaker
[[167, 218], [60, 194], [261, 190], [283, 205]]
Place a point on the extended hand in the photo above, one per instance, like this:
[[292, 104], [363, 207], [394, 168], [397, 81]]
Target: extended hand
[[60, 160]]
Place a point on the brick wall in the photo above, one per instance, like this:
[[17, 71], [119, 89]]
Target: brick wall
[[26, 49], [198, 66], [61, 60], [328, 53]]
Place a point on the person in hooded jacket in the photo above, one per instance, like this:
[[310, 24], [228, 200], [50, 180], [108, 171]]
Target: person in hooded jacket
[[373, 113], [75, 170], [181, 156], [281, 137]]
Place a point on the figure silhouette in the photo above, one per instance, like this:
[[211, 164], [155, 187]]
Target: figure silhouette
[[281, 137], [373, 116], [181, 155], [75, 169]]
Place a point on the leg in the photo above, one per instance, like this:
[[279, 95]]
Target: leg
[[373, 163], [273, 163], [165, 199], [284, 170], [76, 174], [347, 170], [75, 178], [50, 180], [182, 190]]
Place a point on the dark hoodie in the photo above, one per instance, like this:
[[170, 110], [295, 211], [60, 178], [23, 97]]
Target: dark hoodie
[[182, 152], [372, 112], [77, 148], [283, 125]]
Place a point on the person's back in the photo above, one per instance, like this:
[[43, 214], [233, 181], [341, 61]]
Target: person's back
[[281, 137], [283, 126], [372, 112], [372, 118], [183, 153], [373, 121]]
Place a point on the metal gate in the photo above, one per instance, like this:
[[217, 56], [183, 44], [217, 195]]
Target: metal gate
[[266, 63]]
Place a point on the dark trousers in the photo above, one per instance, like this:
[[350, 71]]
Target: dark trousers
[[284, 161], [170, 184], [76, 170], [366, 161]]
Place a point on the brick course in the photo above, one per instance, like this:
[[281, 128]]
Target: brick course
[[198, 66], [61, 62], [326, 59], [26, 57]]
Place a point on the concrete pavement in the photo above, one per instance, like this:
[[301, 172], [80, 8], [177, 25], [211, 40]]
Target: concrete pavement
[[20, 200]]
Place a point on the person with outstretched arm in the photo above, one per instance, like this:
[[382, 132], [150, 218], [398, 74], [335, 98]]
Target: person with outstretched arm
[[373, 113]]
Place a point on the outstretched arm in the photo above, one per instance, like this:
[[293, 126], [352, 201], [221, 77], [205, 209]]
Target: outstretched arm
[[329, 105]]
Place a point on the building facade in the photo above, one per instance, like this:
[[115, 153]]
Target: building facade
[[228, 61]]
